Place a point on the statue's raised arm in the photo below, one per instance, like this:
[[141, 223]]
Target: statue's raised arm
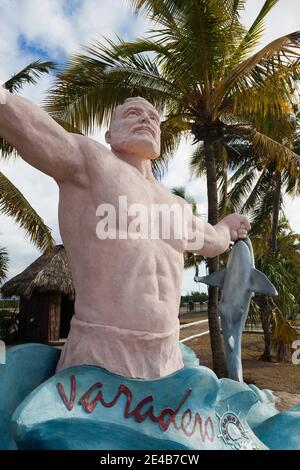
[[213, 240], [39, 140]]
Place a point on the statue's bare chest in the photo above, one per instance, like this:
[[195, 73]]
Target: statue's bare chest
[[118, 198]]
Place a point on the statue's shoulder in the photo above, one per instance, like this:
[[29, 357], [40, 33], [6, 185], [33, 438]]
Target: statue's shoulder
[[89, 146], [95, 155]]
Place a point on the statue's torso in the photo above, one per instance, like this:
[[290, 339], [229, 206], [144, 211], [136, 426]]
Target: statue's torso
[[132, 284]]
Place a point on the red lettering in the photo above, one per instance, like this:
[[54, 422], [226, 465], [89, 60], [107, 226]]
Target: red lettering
[[209, 424], [182, 424], [84, 400], [69, 404], [122, 390], [165, 425], [140, 417], [206, 432]]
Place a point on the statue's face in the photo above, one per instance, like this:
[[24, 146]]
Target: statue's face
[[135, 130]]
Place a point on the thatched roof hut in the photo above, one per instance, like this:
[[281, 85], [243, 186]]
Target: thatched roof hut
[[50, 272], [47, 295]]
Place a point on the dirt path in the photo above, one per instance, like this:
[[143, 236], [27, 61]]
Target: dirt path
[[188, 331], [286, 400]]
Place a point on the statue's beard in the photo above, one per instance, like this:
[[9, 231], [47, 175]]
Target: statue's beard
[[145, 148]]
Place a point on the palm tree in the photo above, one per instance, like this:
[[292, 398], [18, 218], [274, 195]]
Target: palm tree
[[198, 67], [3, 263], [256, 187], [258, 191], [12, 201]]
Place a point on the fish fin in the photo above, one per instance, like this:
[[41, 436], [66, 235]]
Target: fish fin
[[260, 284], [231, 342], [215, 279]]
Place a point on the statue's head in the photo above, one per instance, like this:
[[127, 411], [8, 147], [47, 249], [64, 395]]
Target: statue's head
[[135, 129]]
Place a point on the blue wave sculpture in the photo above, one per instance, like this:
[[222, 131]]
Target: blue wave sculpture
[[87, 407]]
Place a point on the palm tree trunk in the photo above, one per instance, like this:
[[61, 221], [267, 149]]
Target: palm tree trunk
[[276, 210], [265, 316], [265, 308], [196, 269], [218, 358]]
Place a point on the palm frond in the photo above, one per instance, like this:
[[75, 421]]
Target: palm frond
[[254, 33], [280, 58], [222, 175], [271, 150], [6, 150], [234, 31], [193, 261], [197, 162], [271, 102], [14, 204], [172, 130], [243, 184], [181, 192], [262, 213], [30, 74], [190, 32], [93, 84], [161, 11], [261, 190]]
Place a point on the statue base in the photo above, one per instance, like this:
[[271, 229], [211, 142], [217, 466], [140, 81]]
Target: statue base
[[87, 407]]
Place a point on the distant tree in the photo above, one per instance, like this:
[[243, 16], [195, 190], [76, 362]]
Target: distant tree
[[195, 296]]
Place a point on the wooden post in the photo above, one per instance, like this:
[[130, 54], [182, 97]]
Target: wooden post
[[54, 318]]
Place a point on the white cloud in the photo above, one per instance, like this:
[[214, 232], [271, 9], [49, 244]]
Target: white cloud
[[178, 169], [292, 210], [61, 26], [46, 25], [179, 174], [97, 19], [282, 19]]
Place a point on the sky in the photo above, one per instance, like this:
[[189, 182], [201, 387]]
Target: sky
[[54, 29]]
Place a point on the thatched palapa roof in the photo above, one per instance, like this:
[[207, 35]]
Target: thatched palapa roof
[[50, 272]]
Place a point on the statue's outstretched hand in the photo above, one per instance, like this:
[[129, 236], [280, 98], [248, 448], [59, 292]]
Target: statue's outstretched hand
[[237, 224]]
